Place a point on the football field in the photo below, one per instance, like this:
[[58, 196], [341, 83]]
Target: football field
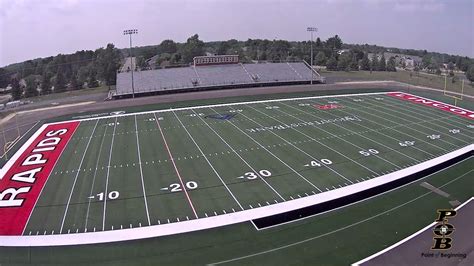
[[132, 170]]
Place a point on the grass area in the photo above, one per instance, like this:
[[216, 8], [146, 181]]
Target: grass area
[[68, 94], [420, 79]]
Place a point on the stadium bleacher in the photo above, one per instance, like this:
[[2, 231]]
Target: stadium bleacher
[[201, 77]]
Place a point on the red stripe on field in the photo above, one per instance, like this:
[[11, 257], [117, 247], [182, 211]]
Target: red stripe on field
[[19, 193], [176, 168], [438, 105]]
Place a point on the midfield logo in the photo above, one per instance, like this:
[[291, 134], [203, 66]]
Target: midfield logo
[[328, 106], [443, 230], [221, 116]]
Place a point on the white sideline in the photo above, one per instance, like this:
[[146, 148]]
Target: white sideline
[[220, 220], [214, 221], [431, 225]]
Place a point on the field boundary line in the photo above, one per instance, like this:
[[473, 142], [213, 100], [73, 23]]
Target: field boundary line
[[221, 105], [183, 186], [224, 219], [407, 238], [75, 179], [141, 172]]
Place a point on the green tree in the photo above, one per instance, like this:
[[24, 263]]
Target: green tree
[[92, 79], [16, 89], [382, 64], [344, 61], [60, 82], [332, 63], [320, 59], [470, 73], [365, 62], [4, 80], [31, 89], [168, 46], [222, 48], [46, 82], [391, 65], [107, 64], [374, 64], [193, 47], [334, 42], [74, 83], [318, 42]]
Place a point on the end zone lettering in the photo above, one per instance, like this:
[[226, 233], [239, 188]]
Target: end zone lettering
[[439, 105], [23, 182]]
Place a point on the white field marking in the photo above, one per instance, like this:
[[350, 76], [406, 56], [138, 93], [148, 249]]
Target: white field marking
[[208, 162], [417, 112], [431, 225], [358, 134], [458, 119], [306, 135], [302, 151], [141, 173], [221, 105], [398, 140], [19, 139], [336, 230], [403, 133], [243, 160], [107, 176], [176, 168], [272, 154], [20, 152], [75, 179]]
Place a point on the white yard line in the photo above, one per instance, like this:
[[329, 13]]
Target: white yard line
[[93, 179], [403, 133], [225, 219], [107, 176], [176, 169], [431, 225], [208, 162], [75, 178], [306, 135], [243, 160], [278, 158], [358, 134], [141, 172]]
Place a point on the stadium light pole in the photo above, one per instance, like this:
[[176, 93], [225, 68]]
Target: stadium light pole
[[311, 30], [130, 32]]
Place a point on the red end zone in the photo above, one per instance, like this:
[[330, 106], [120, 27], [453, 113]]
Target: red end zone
[[23, 182], [439, 105]]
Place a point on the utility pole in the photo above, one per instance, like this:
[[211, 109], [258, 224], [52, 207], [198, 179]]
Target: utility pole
[[130, 32], [311, 30]]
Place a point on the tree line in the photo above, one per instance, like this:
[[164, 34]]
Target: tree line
[[88, 69]]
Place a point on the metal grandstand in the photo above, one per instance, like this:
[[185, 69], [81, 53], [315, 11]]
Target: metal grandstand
[[202, 77]]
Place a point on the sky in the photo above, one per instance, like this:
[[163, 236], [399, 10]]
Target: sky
[[39, 28]]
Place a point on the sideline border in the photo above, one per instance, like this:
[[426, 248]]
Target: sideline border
[[431, 225], [215, 221]]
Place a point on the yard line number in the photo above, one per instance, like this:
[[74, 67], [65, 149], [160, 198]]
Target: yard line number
[[176, 187], [254, 175], [406, 143], [111, 196], [369, 152], [316, 164]]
